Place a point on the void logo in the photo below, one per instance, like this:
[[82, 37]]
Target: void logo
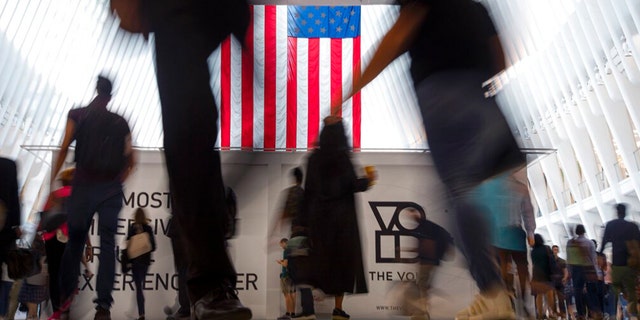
[[392, 232]]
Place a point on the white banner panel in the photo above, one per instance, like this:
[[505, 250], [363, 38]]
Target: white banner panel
[[406, 180]]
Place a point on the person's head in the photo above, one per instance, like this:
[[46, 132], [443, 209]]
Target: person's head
[[538, 240], [555, 249], [140, 217], [283, 242], [580, 230], [104, 86], [333, 136], [297, 174], [66, 176], [621, 209]]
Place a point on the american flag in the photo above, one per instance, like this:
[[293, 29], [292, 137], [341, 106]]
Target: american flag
[[275, 93]]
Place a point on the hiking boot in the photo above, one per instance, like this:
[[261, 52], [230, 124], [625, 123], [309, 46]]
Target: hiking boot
[[102, 314], [220, 304], [499, 307], [339, 314]]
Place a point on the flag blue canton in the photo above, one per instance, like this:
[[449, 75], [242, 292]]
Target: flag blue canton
[[323, 21]]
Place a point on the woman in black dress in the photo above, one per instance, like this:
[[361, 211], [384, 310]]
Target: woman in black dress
[[330, 208]]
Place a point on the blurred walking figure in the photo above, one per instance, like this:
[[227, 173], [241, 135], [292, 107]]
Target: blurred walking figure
[[508, 205], [559, 284], [624, 237], [454, 48], [329, 205], [541, 282], [104, 158], [186, 33], [434, 242], [581, 258], [140, 265]]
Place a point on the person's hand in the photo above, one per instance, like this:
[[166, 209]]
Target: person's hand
[[88, 253], [531, 240]]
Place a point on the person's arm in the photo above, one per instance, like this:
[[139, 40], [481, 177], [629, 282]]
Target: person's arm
[[88, 253], [396, 42], [131, 157], [69, 133], [605, 239], [151, 237], [497, 54]]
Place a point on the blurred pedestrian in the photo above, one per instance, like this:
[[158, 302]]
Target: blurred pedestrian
[[454, 48], [140, 264], [329, 205]]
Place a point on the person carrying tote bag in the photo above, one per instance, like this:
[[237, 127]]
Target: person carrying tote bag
[[140, 244]]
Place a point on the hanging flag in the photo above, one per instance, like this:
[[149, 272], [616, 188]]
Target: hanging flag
[[274, 93]]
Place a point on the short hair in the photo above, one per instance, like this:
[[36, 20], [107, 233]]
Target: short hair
[[104, 86], [285, 240], [621, 208], [538, 240], [580, 230], [297, 173], [555, 246]]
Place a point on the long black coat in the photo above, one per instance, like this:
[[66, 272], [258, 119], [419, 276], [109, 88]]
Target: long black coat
[[329, 206]]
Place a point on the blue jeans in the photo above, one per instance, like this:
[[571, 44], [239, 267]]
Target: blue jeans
[[106, 200], [470, 141], [139, 271]]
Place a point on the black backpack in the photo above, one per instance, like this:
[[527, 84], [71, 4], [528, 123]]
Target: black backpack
[[100, 143]]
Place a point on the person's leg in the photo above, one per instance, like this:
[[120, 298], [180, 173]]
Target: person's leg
[[139, 272], [578, 277], [629, 278], [504, 259], [108, 212], [189, 116], [81, 208], [306, 300], [522, 265], [54, 249], [180, 261], [425, 275], [32, 310]]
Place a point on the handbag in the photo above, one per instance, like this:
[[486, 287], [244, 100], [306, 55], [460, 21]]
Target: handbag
[[138, 245], [23, 261]]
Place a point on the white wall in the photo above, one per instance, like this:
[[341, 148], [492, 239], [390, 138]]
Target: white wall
[[258, 180]]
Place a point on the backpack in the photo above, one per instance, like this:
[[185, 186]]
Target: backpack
[[100, 143]]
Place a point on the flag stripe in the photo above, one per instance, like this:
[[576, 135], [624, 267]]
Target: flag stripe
[[336, 71], [247, 87], [225, 94], [313, 90], [281, 74], [356, 112], [270, 77], [292, 90], [325, 79], [259, 62], [302, 102]]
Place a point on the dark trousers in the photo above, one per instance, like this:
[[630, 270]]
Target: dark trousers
[[470, 141], [139, 272], [189, 117], [306, 301], [84, 202], [180, 262], [579, 276], [54, 249]]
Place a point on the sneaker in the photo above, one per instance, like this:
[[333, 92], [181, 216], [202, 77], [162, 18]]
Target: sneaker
[[339, 315], [483, 307], [285, 316], [301, 316], [102, 314], [221, 303]]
